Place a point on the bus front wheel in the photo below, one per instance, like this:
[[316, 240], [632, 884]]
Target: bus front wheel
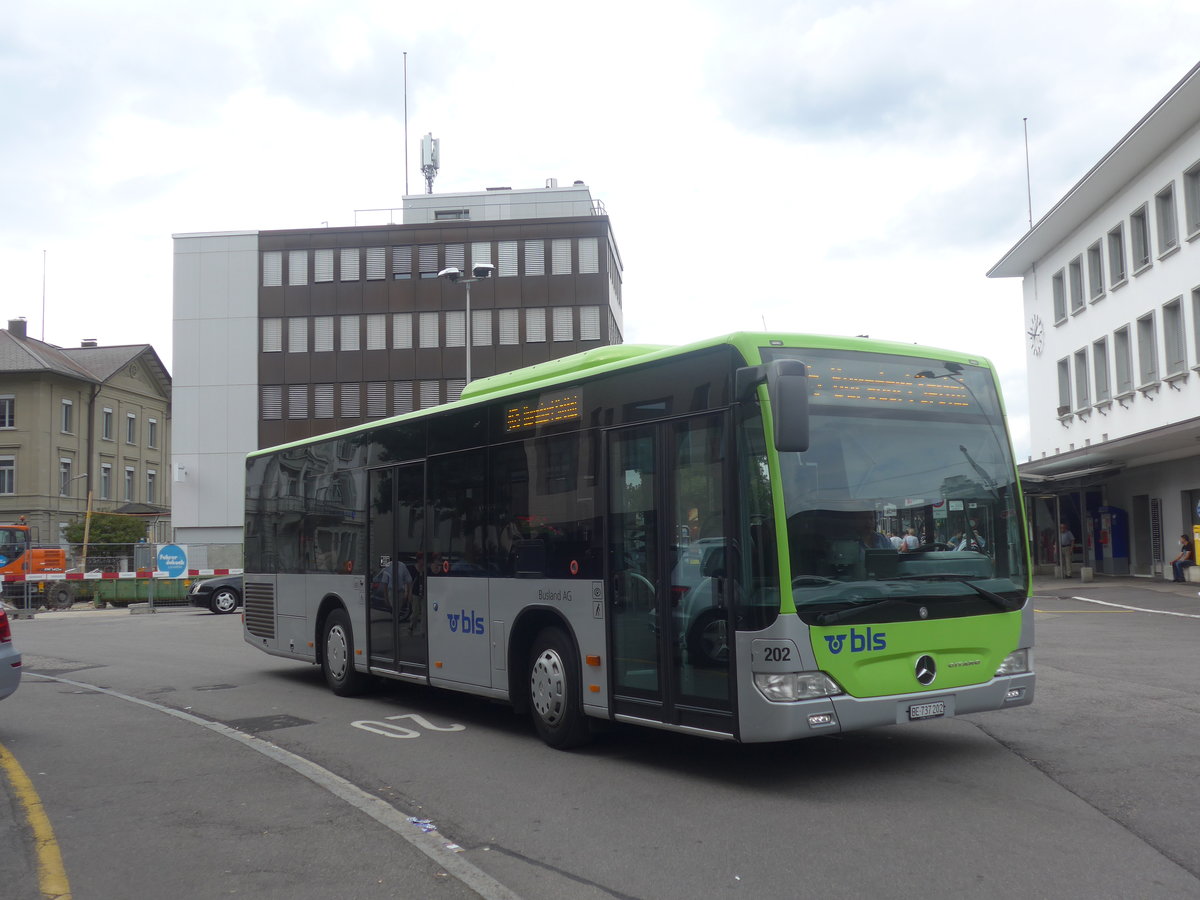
[[554, 691], [337, 656]]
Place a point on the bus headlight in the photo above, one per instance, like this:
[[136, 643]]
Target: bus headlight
[[784, 687], [1015, 663]]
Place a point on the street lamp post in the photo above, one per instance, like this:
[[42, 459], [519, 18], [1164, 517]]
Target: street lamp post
[[455, 276]]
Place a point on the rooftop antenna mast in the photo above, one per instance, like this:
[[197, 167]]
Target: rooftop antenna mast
[[430, 160]]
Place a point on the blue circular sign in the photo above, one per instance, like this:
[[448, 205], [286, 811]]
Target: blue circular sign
[[172, 559]]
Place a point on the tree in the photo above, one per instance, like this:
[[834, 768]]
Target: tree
[[110, 534]]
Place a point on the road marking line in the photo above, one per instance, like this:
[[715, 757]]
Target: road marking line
[[1089, 612], [433, 843], [1122, 606], [52, 875]]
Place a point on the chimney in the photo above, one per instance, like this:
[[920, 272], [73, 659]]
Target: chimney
[[88, 342], [16, 327]]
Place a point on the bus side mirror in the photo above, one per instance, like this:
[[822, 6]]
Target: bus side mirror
[[787, 391]]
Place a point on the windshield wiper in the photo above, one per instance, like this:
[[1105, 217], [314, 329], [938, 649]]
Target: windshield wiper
[[841, 615], [993, 598]]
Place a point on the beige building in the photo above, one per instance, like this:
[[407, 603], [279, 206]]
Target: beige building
[[75, 420]]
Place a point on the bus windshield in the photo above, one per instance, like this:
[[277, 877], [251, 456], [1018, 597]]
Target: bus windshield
[[906, 504]]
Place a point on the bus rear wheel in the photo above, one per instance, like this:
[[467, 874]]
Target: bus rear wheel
[[554, 691], [337, 656]]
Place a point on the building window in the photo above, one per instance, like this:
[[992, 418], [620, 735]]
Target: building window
[[1191, 200], [589, 323], [1123, 356], [151, 479], [1082, 401], [272, 268], [377, 331], [1064, 386], [481, 253], [376, 263], [349, 264], [481, 328], [454, 389], [428, 326], [351, 401], [129, 473], [272, 402], [589, 256], [323, 334], [509, 326], [564, 328], [64, 477], [297, 335], [8, 475], [68, 417], [130, 428], [507, 250], [8, 411], [297, 267], [401, 263], [376, 399], [535, 325], [560, 256], [322, 401], [1116, 255], [442, 215], [402, 331], [456, 328], [1076, 282], [272, 335], [1058, 285], [106, 424], [1147, 342], [1165, 219], [1100, 368], [1139, 232], [298, 401], [402, 398], [351, 340], [535, 257], [105, 481], [431, 394], [1196, 322], [1174, 342], [152, 433], [427, 260], [456, 256], [1095, 272]]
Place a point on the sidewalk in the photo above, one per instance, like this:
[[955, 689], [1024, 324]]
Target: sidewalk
[[1049, 585]]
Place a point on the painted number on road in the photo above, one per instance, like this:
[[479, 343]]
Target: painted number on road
[[387, 729]]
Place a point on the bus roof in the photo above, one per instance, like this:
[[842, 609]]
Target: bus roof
[[614, 357]]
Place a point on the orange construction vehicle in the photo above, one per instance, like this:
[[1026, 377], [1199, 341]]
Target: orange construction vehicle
[[19, 557]]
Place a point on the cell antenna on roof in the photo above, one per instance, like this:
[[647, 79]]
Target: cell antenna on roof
[[430, 160]]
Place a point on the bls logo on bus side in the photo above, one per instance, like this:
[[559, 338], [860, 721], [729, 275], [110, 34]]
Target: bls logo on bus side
[[859, 643], [467, 622]]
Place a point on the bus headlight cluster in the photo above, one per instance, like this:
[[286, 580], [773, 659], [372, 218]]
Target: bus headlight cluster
[[784, 687], [1015, 663]]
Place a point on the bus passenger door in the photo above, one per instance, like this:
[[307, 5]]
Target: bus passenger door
[[396, 594], [670, 607]]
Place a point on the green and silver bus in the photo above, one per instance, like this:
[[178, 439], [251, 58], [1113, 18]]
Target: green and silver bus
[[759, 537]]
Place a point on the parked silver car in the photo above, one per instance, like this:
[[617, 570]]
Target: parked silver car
[[10, 659]]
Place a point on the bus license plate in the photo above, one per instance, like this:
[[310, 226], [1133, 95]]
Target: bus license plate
[[927, 710]]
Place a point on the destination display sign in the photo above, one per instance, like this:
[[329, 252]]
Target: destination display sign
[[549, 409]]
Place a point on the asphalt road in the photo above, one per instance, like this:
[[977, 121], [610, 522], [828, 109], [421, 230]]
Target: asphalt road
[[238, 774]]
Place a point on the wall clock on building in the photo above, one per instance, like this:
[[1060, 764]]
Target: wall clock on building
[[1037, 334]]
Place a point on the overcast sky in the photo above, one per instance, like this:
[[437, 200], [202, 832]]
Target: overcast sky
[[866, 159]]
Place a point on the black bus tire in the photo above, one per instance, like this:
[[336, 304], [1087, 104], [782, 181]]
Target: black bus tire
[[337, 656], [554, 695]]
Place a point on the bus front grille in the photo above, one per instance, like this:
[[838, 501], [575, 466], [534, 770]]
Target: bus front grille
[[259, 608]]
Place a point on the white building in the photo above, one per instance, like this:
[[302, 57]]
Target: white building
[[1111, 286]]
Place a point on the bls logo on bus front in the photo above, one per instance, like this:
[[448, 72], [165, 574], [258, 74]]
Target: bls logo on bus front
[[469, 623], [859, 643]]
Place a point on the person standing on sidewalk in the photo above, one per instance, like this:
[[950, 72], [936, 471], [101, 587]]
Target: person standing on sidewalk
[[1186, 557], [1066, 548]]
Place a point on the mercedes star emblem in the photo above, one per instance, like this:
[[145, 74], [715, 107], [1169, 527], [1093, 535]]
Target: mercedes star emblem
[[926, 670]]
